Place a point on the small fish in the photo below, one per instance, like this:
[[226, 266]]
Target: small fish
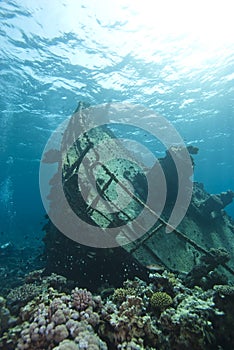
[[6, 248], [6, 245], [155, 267], [91, 255]]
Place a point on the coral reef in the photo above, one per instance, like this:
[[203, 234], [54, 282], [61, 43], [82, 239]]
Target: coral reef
[[6, 319], [35, 284], [129, 322], [190, 324], [21, 295], [52, 317], [161, 314]]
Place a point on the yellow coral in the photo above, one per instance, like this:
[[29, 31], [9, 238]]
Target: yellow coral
[[119, 295], [160, 300]]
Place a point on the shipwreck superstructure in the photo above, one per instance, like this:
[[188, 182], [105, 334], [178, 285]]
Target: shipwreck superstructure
[[206, 225]]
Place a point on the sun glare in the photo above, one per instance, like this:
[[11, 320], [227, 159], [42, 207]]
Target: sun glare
[[208, 21], [200, 29], [205, 28]]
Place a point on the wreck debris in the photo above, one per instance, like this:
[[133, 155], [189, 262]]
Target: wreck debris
[[178, 250]]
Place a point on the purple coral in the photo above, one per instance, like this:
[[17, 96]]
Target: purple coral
[[57, 318], [81, 299]]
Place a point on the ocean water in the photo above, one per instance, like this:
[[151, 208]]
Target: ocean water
[[176, 60]]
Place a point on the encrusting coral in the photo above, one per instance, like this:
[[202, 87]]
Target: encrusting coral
[[205, 273], [224, 290]]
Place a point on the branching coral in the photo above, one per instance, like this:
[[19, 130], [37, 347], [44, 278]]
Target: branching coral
[[53, 317], [138, 316], [81, 299], [128, 322], [21, 295], [35, 285], [190, 323], [120, 294]]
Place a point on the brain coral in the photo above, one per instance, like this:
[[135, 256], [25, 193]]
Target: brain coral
[[160, 300]]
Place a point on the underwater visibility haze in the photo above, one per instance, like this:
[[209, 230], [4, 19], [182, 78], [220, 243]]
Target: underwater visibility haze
[[129, 62]]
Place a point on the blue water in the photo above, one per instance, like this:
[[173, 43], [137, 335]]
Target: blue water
[[55, 53]]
